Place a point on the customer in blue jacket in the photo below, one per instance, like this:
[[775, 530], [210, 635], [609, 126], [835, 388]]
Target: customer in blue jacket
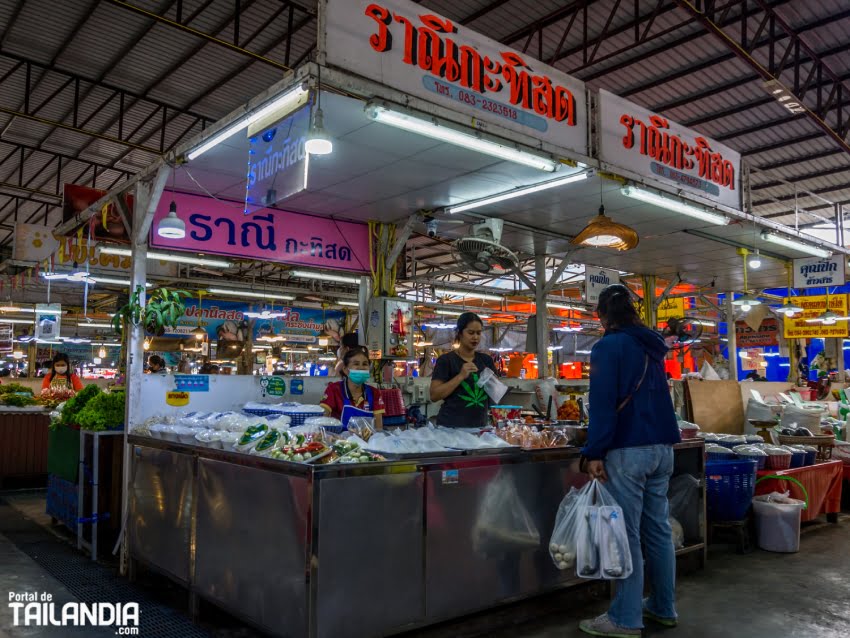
[[630, 446]]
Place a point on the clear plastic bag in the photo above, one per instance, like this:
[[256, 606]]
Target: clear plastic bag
[[562, 545], [602, 549], [503, 522]]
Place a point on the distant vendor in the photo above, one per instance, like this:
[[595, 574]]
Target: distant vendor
[[352, 397], [61, 375]]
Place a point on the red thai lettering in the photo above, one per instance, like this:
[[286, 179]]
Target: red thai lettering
[[383, 39]]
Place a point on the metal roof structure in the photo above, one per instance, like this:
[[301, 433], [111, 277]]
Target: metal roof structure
[[93, 91]]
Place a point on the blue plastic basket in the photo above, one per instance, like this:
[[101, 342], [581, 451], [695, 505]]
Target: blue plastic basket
[[259, 412], [798, 458], [719, 456], [729, 486], [62, 501], [298, 418], [761, 461], [811, 457]]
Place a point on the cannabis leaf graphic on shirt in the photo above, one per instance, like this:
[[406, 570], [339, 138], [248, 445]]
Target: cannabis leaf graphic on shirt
[[473, 396]]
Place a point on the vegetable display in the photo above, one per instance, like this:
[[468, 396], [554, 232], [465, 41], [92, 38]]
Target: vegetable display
[[17, 400], [14, 388], [104, 411], [303, 454], [76, 404], [52, 397]]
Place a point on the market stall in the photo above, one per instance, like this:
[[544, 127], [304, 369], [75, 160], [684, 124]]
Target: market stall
[[821, 482]]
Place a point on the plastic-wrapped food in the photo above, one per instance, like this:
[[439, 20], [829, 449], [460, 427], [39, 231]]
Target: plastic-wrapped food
[[267, 444], [251, 437], [229, 439], [562, 544], [678, 533], [306, 453], [322, 421], [682, 494], [688, 430], [362, 426], [209, 438]]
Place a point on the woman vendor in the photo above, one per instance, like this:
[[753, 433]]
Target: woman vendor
[[351, 397], [455, 378], [61, 375]]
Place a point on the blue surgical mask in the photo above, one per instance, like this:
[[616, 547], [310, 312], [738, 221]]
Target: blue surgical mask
[[358, 376]]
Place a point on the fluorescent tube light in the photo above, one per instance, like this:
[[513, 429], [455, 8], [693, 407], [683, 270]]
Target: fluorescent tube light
[[466, 293], [290, 97], [309, 274], [249, 293], [17, 321], [560, 306], [518, 192], [449, 313], [350, 304], [117, 282], [94, 325], [582, 351], [176, 258], [793, 244], [431, 127], [675, 205], [553, 348]]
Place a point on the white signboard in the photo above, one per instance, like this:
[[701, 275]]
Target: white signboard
[[407, 47], [817, 272], [48, 321], [653, 146], [596, 280]]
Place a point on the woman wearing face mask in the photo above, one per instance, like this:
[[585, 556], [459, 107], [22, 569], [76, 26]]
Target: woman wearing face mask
[[352, 397], [455, 378], [61, 375]]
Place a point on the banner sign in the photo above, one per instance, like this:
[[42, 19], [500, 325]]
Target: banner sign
[[670, 308], [277, 162], [596, 280], [652, 146], [218, 227], [407, 47], [766, 335], [813, 306], [225, 321], [817, 272], [48, 321]]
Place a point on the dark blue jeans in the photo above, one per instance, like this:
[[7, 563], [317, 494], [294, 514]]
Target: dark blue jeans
[[638, 478]]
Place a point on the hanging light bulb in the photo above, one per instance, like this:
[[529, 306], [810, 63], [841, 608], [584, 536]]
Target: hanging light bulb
[[171, 226], [755, 260], [200, 333], [319, 142], [101, 352], [147, 344]]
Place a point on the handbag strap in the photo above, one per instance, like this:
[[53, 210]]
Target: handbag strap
[[626, 401]]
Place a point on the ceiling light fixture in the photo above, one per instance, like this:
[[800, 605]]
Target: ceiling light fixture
[[675, 205], [348, 304], [160, 256], [603, 232], [754, 260], [793, 244], [288, 99], [444, 292], [318, 140], [430, 126], [519, 192], [559, 306], [249, 293], [171, 226], [309, 274]]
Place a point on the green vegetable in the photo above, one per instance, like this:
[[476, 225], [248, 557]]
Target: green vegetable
[[106, 410], [18, 400], [75, 404], [253, 433], [14, 388]]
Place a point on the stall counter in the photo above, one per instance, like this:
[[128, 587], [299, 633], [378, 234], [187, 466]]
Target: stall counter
[[439, 538], [23, 443], [821, 480]]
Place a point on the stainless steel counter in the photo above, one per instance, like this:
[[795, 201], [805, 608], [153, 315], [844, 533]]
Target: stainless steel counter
[[348, 551]]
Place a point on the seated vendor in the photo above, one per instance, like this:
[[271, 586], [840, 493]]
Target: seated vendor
[[61, 375], [352, 397]]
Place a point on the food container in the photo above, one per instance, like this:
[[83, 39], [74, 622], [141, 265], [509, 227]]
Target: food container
[[504, 413], [689, 432], [754, 438], [716, 452], [209, 438], [751, 453], [798, 455], [811, 454], [185, 435], [778, 458]]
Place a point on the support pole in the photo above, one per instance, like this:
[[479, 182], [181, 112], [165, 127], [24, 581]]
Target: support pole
[[542, 312], [839, 359], [733, 341], [650, 315]]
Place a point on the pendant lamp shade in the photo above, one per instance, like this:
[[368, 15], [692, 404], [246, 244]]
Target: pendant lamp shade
[[603, 232]]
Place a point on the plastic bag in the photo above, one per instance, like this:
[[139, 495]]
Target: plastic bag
[[684, 494], [678, 533], [590, 532], [545, 389], [503, 522], [797, 417]]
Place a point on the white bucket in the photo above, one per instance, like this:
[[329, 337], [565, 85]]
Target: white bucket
[[778, 523]]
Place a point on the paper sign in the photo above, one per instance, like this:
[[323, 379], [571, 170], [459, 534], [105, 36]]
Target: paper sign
[[671, 308], [48, 321], [177, 399], [296, 386], [276, 386], [596, 280], [192, 382]]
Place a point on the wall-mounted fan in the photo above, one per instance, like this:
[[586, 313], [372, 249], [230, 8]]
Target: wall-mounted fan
[[681, 332], [482, 251]]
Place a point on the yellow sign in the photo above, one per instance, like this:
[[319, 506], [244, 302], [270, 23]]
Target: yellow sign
[[814, 306], [671, 308], [177, 399]]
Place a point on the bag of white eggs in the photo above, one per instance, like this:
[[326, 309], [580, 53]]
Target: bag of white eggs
[[562, 545]]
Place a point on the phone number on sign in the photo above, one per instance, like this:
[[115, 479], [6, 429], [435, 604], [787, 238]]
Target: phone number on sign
[[487, 105]]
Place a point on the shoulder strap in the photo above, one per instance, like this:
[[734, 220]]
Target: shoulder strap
[[626, 401]]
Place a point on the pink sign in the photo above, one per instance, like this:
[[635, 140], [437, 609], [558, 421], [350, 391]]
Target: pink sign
[[222, 228]]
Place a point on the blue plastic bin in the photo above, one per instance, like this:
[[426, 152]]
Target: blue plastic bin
[[730, 487]]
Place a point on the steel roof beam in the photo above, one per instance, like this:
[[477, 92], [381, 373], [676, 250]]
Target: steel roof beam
[[741, 48]]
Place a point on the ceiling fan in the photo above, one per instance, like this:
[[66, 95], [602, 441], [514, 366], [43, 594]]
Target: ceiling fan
[[680, 332]]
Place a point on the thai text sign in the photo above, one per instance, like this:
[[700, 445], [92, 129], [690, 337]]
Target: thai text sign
[[596, 280], [814, 306], [652, 146], [407, 47], [817, 272], [766, 335], [222, 228]]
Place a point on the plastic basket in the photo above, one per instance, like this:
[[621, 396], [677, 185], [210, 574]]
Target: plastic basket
[[719, 456], [798, 458], [298, 418], [62, 501], [760, 460], [730, 486], [260, 412], [778, 461]]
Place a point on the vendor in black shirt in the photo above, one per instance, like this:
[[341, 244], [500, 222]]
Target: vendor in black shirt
[[455, 378]]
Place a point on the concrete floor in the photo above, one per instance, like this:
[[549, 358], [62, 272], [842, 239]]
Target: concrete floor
[[760, 595]]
